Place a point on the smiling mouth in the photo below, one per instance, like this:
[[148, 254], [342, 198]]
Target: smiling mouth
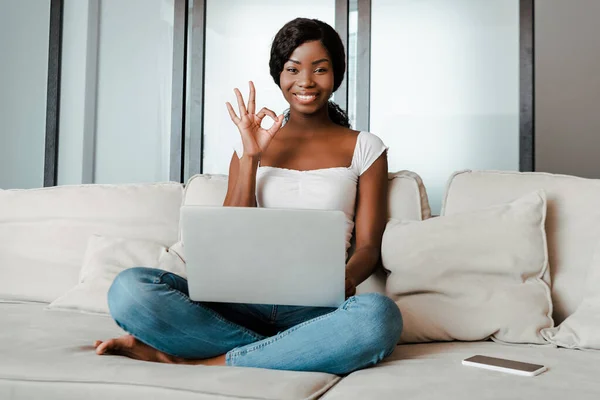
[[305, 98]]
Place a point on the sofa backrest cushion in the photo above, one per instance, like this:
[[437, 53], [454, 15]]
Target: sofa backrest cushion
[[44, 232], [407, 197], [572, 222]]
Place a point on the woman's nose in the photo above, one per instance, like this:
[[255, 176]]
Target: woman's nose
[[305, 80]]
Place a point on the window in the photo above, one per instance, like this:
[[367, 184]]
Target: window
[[116, 91], [24, 27], [445, 86]]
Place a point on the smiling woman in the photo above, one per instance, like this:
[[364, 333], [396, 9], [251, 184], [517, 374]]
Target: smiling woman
[[314, 162]]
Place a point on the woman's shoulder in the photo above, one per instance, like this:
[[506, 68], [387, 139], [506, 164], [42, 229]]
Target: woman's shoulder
[[363, 142], [363, 136], [368, 135], [368, 139], [369, 147]]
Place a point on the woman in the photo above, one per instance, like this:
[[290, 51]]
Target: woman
[[314, 161]]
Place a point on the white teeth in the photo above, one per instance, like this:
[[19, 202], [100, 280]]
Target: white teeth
[[306, 98]]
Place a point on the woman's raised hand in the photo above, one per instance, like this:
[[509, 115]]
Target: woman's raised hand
[[254, 138]]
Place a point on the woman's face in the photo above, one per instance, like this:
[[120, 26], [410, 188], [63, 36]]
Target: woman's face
[[307, 78]]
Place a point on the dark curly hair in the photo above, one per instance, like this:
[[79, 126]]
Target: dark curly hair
[[298, 32]]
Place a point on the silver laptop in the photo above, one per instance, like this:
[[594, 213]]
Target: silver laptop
[[264, 255]]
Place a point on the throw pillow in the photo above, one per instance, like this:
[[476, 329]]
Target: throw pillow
[[472, 276], [104, 258], [581, 330]]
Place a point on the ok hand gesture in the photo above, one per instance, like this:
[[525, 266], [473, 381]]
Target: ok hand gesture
[[254, 138]]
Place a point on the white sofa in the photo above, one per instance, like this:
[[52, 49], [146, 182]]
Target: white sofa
[[46, 353]]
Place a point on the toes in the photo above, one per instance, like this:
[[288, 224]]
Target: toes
[[129, 346], [103, 347], [115, 346]]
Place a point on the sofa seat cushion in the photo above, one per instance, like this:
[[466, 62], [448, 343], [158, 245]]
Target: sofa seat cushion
[[434, 371], [49, 354]]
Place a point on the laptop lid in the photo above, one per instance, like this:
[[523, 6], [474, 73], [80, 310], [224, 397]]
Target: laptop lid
[[265, 255]]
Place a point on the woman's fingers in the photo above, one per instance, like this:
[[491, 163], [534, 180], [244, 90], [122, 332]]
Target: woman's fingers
[[264, 112], [240, 101], [252, 99], [278, 122], [232, 114]]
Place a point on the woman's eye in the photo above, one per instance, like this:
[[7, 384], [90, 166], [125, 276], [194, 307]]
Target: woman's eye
[[320, 70], [292, 70]]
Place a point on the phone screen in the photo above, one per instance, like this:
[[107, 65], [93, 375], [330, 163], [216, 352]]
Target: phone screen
[[499, 362]]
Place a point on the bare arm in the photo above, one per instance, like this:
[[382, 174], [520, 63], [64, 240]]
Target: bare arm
[[370, 219], [241, 188]]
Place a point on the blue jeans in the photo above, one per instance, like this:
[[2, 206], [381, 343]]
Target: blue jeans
[[154, 306]]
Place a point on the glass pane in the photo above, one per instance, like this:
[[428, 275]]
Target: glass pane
[[133, 114], [352, 52], [445, 86], [78, 92], [237, 51], [24, 27]]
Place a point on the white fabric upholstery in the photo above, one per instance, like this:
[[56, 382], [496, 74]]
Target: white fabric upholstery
[[581, 330], [407, 197], [407, 201], [44, 232], [434, 371], [473, 275], [571, 224], [205, 190], [104, 258], [49, 355]]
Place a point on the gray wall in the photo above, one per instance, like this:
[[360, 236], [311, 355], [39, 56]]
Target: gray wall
[[567, 68]]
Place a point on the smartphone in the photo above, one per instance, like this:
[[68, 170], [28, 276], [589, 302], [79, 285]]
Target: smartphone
[[502, 365]]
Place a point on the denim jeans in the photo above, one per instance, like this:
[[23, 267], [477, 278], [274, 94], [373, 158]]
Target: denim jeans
[[153, 306]]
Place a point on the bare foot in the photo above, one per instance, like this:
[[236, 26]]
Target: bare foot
[[129, 346]]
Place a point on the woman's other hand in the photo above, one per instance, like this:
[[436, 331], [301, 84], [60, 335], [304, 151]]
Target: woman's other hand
[[255, 139]]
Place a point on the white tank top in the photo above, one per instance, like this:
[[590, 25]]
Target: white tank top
[[319, 189]]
